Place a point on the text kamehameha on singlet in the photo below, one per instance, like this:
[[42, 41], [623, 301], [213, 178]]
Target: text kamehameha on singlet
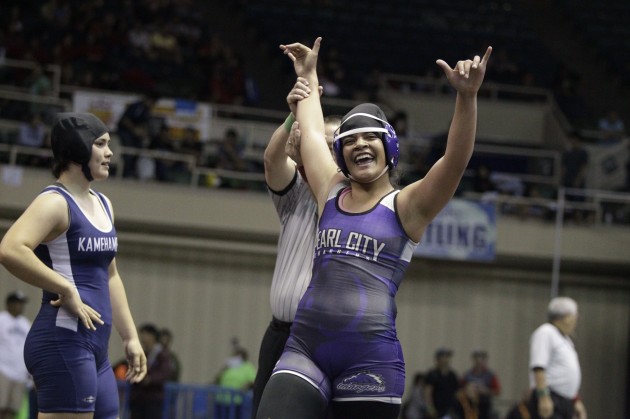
[[97, 244], [357, 244]]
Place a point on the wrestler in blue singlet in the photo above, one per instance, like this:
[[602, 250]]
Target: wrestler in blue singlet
[[57, 339], [343, 339]]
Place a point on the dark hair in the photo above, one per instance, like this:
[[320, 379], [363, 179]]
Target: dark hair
[[242, 352], [333, 119], [395, 175], [418, 378], [59, 167], [150, 329], [152, 95]]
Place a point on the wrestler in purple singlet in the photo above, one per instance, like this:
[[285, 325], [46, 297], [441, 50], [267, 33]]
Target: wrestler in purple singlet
[[343, 339]]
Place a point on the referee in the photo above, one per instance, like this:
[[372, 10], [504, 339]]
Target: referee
[[297, 211], [555, 374]]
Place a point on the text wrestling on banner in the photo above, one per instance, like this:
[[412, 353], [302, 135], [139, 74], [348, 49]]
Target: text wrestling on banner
[[463, 230]]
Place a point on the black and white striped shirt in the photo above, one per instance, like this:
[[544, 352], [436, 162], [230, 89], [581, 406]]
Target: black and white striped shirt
[[297, 210]]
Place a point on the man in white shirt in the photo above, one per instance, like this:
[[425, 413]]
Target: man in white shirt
[[13, 374], [555, 374]]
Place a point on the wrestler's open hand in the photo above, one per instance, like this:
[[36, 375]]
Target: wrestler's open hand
[[86, 314], [137, 361]]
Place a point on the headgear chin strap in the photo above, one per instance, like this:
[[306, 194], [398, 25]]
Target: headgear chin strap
[[389, 138], [72, 136], [385, 169]]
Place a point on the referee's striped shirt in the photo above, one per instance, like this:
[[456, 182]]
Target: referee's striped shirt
[[297, 210]]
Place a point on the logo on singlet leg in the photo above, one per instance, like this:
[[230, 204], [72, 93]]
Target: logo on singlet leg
[[363, 381], [89, 399]]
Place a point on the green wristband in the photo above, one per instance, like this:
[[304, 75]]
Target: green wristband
[[541, 392], [288, 123]]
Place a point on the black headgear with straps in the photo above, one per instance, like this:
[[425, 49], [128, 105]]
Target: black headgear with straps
[[72, 136], [366, 117]]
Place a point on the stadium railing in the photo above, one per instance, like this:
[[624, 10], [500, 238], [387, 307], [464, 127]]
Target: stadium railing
[[195, 401]]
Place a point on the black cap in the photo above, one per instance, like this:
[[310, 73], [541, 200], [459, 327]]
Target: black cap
[[17, 296], [352, 122], [72, 136], [443, 352], [480, 352]]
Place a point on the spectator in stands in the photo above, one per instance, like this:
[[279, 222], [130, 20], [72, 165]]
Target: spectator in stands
[[41, 85], [416, 407], [519, 410], [482, 183], [230, 157], [400, 122], [566, 94], [238, 373], [372, 84], [146, 397], [134, 130], [574, 170], [156, 168], [505, 69], [611, 128], [14, 377], [33, 133], [441, 386], [164, 43], [190, 143], [479, 386], [540, 208], [140, 39], [166, 339]]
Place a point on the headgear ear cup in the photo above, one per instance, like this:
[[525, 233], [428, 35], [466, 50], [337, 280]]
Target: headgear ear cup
[[391, 145], [338, 151]]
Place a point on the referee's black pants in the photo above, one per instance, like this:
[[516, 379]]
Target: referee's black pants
[[271, 348], [562, 407]]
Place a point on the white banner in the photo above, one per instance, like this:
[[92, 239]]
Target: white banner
[[463, 230], [179, 114], [607, 165]]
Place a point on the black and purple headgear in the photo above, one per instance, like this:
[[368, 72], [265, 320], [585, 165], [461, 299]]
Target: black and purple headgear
[[72, 136], [366, 117]]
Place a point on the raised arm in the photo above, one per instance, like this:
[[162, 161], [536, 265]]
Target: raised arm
[[421, 201], [320, 167], [279, 161]]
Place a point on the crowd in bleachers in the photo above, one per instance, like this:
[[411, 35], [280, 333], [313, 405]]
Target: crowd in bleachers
[[604, 27], [381, 36], [147, 47], [121, 45]]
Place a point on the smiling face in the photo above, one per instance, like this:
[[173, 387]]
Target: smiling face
[[364, 155], [101, 157]]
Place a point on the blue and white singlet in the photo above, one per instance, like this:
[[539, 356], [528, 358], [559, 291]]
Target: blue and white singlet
[[69, 363]]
